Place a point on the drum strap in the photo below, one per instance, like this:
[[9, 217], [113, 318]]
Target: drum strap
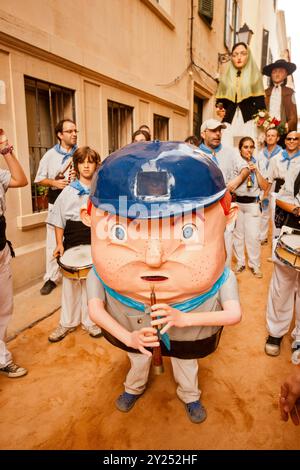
[[3, 239], [76, 233], [2, 232]]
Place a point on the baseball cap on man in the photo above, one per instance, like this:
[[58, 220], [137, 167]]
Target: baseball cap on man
[[212, 124]]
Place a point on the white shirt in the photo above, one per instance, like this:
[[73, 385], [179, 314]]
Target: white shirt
[[67, 207], [5, 178], [275, 102], [278, 168], [50, 165], [286, 193], [229, 161]]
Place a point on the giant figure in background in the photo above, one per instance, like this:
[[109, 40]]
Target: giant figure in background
[[280, 99], [241, 92]]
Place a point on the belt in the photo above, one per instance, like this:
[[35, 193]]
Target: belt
[[246, 199]]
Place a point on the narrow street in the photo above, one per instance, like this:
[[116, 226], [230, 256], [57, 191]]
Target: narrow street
[[67, 399]]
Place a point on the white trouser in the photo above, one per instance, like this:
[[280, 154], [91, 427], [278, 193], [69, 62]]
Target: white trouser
[[74, 307], [283, 297], [185, 374], [265, 222], [6, 302], [228, 238], [246, 232], [52, 268]]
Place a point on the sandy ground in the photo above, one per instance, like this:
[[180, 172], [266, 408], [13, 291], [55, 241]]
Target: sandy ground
[[67, 399]]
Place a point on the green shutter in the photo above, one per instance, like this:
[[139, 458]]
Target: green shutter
[[206, 9]]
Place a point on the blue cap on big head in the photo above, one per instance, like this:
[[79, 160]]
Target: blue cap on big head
[[147, 180]]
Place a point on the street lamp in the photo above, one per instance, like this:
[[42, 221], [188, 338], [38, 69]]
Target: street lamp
[[245, 34]]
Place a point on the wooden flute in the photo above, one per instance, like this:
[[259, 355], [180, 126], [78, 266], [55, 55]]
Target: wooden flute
[[157, 359]]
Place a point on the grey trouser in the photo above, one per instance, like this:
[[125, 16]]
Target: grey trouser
[[185, 374]]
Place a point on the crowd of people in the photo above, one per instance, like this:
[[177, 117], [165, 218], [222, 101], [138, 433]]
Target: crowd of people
[[264, 185]]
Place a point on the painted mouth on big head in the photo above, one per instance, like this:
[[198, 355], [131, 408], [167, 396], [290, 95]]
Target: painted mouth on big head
[[154, 278]]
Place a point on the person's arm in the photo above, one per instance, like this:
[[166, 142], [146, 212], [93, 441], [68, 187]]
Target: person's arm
[[233, 184], [288, 207], [18, 177], [52, 183], [289, 399], [230, 315], [59, 235], [262, 182], [138, 339]]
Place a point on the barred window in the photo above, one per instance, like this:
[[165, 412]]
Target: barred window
[[46, 105], [120, 125], [161, 127]]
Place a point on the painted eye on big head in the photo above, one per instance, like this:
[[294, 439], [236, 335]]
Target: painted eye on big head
[[118, 233], [189, 231]]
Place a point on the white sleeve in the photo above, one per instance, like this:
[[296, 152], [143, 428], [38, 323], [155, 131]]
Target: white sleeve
[[57, 214], [5, 177], [239, 163]]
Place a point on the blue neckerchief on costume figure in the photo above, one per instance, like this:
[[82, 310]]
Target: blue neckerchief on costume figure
[[252, 173], [66, 155], [211, 152], [81, 190], [286, 157], [268, 155], [185, 306]]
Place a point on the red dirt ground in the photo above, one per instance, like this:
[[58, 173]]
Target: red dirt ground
[[67, 399]]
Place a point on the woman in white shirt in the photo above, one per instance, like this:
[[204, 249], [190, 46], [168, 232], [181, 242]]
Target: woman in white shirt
[[247, 229]]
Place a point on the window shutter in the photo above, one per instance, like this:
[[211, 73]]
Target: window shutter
[[206, 9]]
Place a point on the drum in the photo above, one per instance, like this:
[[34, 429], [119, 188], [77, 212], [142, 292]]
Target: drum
[[76, 262], [288, 248]]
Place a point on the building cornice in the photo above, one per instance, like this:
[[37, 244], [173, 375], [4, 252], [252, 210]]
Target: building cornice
[[17, 44]]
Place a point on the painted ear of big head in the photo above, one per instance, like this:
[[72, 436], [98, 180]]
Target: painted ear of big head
[[159, 211]]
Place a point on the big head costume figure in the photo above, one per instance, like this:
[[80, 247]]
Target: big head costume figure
[[158, 216]]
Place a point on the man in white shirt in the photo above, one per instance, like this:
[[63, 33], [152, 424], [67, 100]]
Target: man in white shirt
[[264, 160], [53, 172]]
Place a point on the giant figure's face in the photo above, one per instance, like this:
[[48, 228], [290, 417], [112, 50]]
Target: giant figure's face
[[239, 57], [181, 256], [278, 75]]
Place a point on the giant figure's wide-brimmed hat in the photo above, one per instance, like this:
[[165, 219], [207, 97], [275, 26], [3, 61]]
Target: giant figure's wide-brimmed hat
[[279, 64]]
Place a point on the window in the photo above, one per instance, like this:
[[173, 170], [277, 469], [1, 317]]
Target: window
[[46, 104], [197, 121], [206, 10], [265, 47], [161, 127], [232, 23], [120, 125]]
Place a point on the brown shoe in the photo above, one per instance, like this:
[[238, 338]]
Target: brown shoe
[[47, 287], [13, 371]]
